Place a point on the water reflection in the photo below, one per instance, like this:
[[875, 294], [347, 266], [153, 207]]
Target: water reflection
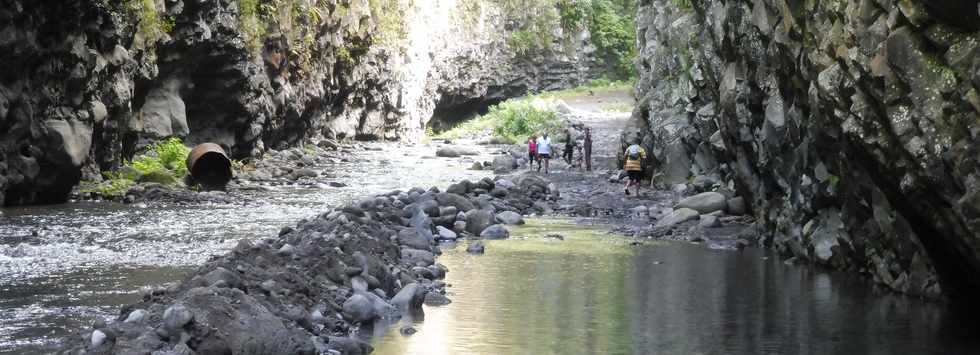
[[595, 294]]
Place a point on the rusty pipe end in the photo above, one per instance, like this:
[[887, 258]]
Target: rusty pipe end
[[209, 166]]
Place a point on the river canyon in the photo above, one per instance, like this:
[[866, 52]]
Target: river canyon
[[810, 187]]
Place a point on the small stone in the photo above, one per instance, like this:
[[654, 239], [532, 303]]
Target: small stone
[[433, 299], [98, 337], [496, 231], [407, 330], [135, 316], [176, 317], [475, 248]]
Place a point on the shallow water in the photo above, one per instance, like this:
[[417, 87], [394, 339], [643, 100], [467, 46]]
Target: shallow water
[[64, 266], [593, 293]]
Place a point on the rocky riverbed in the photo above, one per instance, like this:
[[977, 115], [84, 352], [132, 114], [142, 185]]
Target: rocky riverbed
[[308, 289]]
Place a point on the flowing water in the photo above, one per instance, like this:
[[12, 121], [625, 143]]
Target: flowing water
[[594, 293], [64, 266]]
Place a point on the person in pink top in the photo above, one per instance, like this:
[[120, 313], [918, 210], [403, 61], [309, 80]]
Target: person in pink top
[[532, 152]]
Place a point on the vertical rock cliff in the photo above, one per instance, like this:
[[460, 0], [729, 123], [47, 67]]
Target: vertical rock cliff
[[87, 82], [851, 127]]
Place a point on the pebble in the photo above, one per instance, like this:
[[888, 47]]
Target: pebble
[[98, 337]]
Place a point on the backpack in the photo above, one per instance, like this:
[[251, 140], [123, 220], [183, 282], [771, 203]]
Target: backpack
[[633, 152]]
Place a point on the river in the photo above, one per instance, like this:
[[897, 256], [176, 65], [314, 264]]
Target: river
[[594, 293], [63, 267]]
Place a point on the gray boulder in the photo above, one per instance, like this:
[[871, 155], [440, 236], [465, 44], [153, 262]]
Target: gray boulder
[[445, 233], [709, 221], [510, 217], [478, 220], [360, 308], [678, 216], [409, 297], [418, 257], [451, 151], [504, 164], [411, 238], [455, 200], [176, 317], [706, 202], [496, 231]]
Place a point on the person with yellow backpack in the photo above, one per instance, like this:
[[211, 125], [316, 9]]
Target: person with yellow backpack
[[634, 156]]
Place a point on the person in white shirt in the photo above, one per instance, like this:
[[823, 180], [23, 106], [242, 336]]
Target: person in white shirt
[[544, 151]]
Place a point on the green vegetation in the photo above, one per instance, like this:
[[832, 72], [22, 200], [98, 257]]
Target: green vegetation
[[510, 121], [387, 15], [516, 120], [164, 162], [613, 28], [610, 22], [595, 86], [151, 26], [252, 24]]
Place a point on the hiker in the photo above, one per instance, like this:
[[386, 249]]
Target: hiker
[[544, 151], [588, 149], [569, 152], [635, 154], [578, 163], [532, 152]]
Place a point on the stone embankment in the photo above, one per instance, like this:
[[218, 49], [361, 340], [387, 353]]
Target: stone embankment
[[309, 289]]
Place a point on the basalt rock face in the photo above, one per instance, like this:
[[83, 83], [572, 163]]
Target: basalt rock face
[[86, 83], [851, 127]]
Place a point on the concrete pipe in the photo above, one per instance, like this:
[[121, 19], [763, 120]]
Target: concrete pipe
[[209, 166]]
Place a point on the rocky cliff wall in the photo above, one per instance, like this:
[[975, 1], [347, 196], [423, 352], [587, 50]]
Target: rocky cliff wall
[[851, 127], [85, 83]]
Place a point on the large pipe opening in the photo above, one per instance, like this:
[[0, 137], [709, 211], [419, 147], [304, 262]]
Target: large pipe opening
[[209, 166]]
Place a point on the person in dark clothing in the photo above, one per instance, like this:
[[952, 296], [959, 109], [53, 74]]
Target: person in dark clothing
[[588, 149], [569, 152]]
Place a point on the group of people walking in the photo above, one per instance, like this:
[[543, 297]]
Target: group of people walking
[[539, 149], [579, 155]]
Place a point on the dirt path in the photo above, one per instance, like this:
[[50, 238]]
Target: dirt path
[[597, 196]]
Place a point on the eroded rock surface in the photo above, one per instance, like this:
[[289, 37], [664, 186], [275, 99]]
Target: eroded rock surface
[[87, 83], [849, 129]]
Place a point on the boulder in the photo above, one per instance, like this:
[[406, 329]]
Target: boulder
[[503, 164], [455, 200], [706, 202], [360, 308], [409, 297], [411, 238], [418, 257], [709, 221], [478, 220], [510, 217], [176, 317], [450, 151], [678, 216], [445, 234], [496, 231]]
